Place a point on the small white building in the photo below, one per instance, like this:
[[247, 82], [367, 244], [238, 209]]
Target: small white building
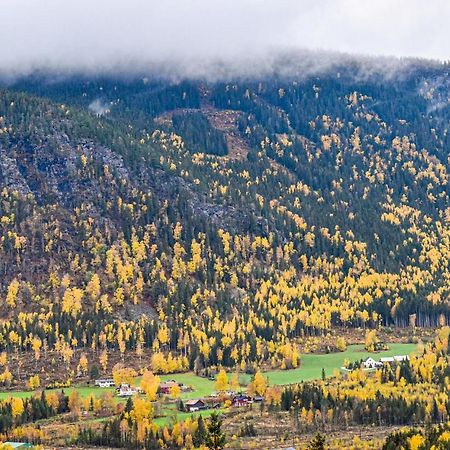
[[370, 363], [126, 390], [396, 358], [387, 359], [195, 405], [105, 382]]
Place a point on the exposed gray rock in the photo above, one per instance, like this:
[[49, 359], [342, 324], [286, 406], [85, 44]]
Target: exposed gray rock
[[10, 175]]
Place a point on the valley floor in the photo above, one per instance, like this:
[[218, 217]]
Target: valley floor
[[275, 429]]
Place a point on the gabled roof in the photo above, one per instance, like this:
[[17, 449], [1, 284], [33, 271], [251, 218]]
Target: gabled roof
[[241, 397], [193, 402], [169, 383]]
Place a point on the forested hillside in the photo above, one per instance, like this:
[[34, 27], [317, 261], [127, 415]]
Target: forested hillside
[[215, 223]]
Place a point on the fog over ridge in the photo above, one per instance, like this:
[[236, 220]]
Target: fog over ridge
[[221, 38]]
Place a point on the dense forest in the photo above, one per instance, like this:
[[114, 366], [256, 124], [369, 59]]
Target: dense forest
[[215, 223]]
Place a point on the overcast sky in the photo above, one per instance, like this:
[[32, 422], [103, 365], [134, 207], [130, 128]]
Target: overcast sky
[[102, 34]]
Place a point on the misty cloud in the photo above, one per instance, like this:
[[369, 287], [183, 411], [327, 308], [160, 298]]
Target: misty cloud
[[99, 107], [220, 37]]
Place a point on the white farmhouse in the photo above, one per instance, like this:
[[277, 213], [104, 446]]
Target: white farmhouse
[[126, 390], [104, 382], [370, 363]]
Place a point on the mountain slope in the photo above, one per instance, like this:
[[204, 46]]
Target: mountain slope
[[236, 216]]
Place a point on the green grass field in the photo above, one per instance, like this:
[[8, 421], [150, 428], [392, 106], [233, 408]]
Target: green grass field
[[202, 387], [84, 391], [310, 369], [311, 364]]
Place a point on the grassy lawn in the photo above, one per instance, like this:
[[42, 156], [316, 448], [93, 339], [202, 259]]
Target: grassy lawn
[[202, 386], [84, 391], [20, 394], [311, 364], [310, 369]]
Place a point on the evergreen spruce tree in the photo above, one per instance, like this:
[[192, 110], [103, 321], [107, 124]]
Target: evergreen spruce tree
[[215, 438], [199, 436], [129, 405]]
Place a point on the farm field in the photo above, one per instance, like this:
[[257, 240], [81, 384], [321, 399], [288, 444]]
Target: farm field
[[310, 369], [84, 391], [312, 364], [202, 387]]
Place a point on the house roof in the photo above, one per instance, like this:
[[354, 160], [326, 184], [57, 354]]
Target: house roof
[[394, 358], [193, 402], [169, 383], [18, 444], [241, 397]]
